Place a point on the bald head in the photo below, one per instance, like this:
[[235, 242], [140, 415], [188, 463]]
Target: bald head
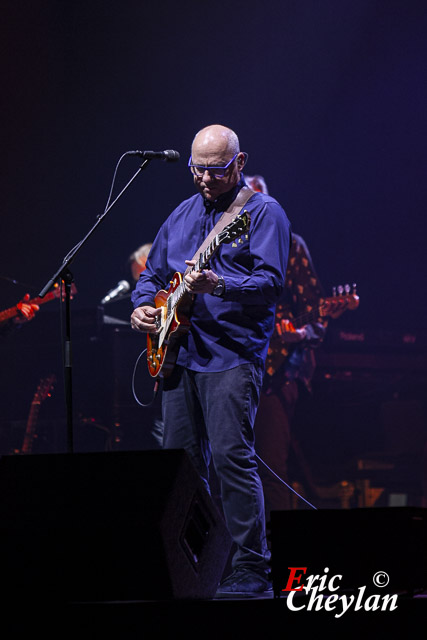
[[217, 146], [216, 136]]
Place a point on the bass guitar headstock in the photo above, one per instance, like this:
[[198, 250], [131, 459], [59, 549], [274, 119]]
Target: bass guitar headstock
[[344, 298], [59, 291]]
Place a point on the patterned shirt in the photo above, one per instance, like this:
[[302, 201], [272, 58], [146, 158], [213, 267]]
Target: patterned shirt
[[299, 303]]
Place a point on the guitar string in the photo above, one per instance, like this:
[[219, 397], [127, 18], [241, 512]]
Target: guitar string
[[181, 289]]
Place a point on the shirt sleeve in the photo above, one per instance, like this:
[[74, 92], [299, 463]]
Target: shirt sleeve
[[156, 273], [270, 237]]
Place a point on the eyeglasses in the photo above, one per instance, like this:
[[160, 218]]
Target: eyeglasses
[[216, 172]]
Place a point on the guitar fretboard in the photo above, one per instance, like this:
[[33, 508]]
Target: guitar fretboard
[[201, 263]]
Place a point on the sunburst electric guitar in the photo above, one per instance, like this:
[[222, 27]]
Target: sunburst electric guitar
[[175, 303], [344, 299]]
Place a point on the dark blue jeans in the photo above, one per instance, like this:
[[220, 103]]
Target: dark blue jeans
[[213, 414]]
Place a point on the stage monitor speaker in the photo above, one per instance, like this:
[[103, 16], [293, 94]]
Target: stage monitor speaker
[[355, 544], [122, 526]]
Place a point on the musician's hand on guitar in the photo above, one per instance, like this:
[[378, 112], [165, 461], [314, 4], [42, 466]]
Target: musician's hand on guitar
[[144, 319], [26, 310], [200, 281], [288, 333]]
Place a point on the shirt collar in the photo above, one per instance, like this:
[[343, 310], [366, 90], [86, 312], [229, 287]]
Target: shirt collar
[[224, 201]]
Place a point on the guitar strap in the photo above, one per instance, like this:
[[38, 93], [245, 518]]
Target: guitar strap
[[235, 208]]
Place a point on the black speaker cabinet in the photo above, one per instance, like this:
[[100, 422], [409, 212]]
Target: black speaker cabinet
[[120, 526], [356, 544]]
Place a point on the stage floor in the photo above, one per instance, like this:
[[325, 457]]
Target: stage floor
[[264, 617]]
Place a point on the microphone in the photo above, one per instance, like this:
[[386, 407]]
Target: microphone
[[122, 287], [168, 156]]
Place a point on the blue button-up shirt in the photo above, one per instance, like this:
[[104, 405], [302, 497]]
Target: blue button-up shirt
[[236, 328]]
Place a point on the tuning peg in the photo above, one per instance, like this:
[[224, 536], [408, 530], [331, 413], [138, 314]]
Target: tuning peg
[[340, 289], [347, 288], [334, 291], [240, 241], [354, 288], [234, 244]]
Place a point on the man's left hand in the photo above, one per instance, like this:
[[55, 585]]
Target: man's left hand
[[26, 310], [200, 281]]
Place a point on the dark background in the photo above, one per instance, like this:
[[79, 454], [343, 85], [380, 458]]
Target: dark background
[[328, 99]]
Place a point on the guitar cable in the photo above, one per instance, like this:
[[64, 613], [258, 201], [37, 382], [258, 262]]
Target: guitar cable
[[156, 384], [155, 391], [285, 483]]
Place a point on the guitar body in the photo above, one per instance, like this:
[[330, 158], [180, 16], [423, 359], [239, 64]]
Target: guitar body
[[161, 358]]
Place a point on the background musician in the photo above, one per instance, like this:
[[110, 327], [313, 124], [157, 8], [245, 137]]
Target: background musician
[[290, 366]]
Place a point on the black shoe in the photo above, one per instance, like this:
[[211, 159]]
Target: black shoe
[[244, 582]]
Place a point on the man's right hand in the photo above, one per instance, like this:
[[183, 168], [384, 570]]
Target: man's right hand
[[144, 319]]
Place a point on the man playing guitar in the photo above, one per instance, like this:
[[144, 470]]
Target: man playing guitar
[[22, 312], [211, 392]]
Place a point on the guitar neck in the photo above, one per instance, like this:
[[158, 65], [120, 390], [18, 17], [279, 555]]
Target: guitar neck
[[7, 314], [43, 391], [201, 263], [207, 254], [333, 306], [30, 429], [306, 318], [232, 231]]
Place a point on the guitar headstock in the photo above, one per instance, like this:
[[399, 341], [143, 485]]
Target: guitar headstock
[[236, 228], [60, 290], [344, 298]]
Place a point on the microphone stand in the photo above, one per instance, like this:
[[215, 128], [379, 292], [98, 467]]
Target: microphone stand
[[64, 274]]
